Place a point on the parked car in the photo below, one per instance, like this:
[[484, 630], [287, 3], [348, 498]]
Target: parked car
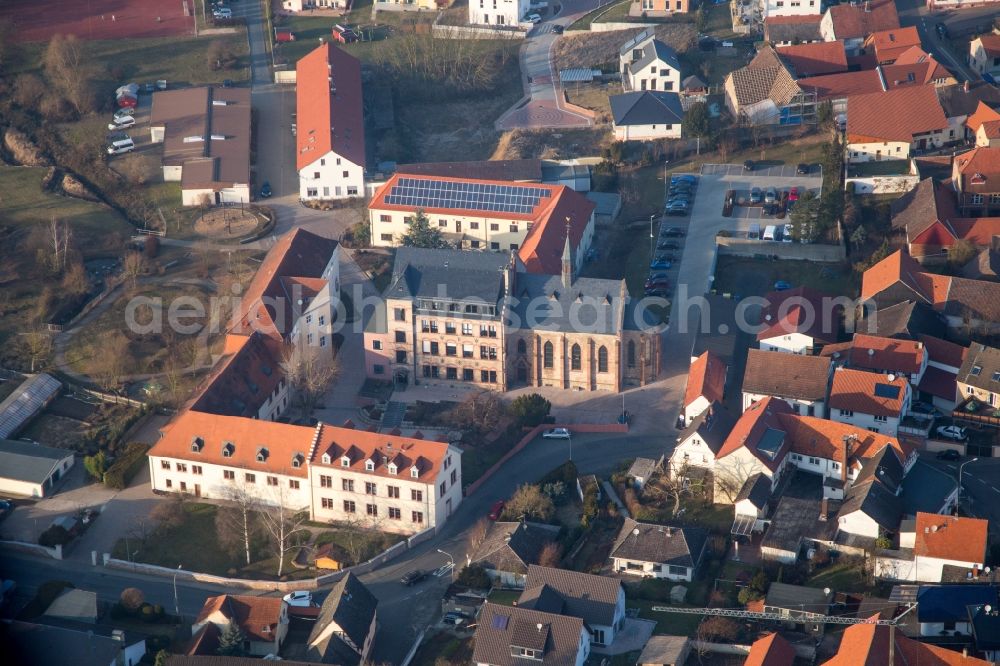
[[682, 196], [454, 618], [658, 291], [660, 264], [413, 577], [121, 123], [300, 599], [533, 18], [659, 276], [948, 454], [672, 232], [497, 510], [756, 196], [556, 433], [802, 169], [126, 112], [781, 285], [658, 282], [954, 432], [925, 409], [793, 194], [558, 29], [677, 208], [770, 209], [265, 190], [682, 178], [668, 245], [748, 165], [770, 195]]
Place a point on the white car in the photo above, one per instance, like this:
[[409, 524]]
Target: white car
[[952, 432], [533, 18], [121, 123], [126, 112], [301, 599], [556, 433]]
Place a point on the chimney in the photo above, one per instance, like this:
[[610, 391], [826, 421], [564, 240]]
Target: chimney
[[824, 508], [965, 86]]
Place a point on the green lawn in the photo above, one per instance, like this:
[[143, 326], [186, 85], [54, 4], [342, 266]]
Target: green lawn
[[583, 23], [846, 577], [505, 597], [193, 545], [880, 168], [755, 277]]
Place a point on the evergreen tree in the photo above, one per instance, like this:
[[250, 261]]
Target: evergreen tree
[[422, 234], [231, 641]]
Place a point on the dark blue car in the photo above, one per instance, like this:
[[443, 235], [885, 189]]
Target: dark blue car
[[265, 190]]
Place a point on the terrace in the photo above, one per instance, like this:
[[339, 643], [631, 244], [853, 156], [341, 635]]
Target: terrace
[[977, 411]]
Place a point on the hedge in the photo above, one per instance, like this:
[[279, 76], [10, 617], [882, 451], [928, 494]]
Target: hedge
[[125, 466]]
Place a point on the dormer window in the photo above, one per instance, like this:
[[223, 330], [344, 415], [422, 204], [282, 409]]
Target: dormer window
[[345, 462], [326, 458], [392, 468], [297, 460], [196, 444], [414, 472], [261, 454], [369, 465], [228, 449]]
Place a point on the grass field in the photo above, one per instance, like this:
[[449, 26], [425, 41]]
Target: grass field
[[675, 624], [755, 277]]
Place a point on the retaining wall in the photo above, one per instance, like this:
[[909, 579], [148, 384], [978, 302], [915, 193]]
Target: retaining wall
[[470, 32], [744, 247], [882, 184], [55, 553], [611, 27]]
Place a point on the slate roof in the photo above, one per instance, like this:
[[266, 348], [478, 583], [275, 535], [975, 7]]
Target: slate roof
[[981, 368], [29, 462], [894, 115], [636, 40], [712, 426], [957, 102], [949, 603], [501, 627], [656, 50], [926, 488], [678, 546], [780, 29], [586, 596], [985, 626], [28, 643], [797, 597], [648, 107], [352, 607], [452, 274], [593, 304], [875, 501], [951, 537], [906, 319], [757, 489], [512, 546], [885, 467], [786, 375]]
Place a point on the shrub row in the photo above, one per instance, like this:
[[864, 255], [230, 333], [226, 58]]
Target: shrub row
[[125, 466]]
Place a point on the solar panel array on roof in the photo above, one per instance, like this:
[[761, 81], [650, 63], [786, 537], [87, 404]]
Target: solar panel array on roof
[[427, 193], [887, 391]]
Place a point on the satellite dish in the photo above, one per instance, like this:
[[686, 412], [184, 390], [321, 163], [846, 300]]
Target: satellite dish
[[987, 608], [826, 590], [635, 531]]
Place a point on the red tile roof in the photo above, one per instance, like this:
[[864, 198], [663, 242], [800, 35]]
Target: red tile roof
[[243, 378], [751, 426], [384, 450], [800, 310], [872, 352], [854, 390], [859, 21], [979, 170], [982, 114], [251, 614], [914, 67], [706, 378], [897, 267], [951, 537], [868, 645], [822, 438], [816, 58], [944, 352], [991, 43], [542, 249], [329, 106], [889, 44], [894, 115], [840, 86], [772, 650], [270, 302], [977, 230]]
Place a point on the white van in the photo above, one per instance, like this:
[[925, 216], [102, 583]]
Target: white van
[[754, 233], [121, 146], [770, 232]]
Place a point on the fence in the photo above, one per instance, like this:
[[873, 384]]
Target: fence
[[744, 247], [530, 435]]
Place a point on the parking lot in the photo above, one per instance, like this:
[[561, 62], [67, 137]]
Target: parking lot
[[761, 170]]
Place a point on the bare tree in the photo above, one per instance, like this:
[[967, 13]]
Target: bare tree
[[730, 477], [60, 236], [282, 523], [133, 265], [38, 342], [309, 371], [675, 487], [67, 70], [725, 145], [75, 280], [551, 555], [238, 523], [480, 412], [477, 535], [113, 362]]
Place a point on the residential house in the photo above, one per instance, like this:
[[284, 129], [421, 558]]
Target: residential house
[[29, 643], [837, 89], [305, 5], [399, 484], [936, 541], [646, 63], [983, 127], [644, 116], [597, 600], [642, 470], [658, 551], [887, 45], [803, 607], [815, 59], [345, 628], [801, 381], [799, 521], [764, 92], [985, 622], [486, 215], [960, 102], [706, 385], [498, 13], [853, 23], [751, 502], [263, 621], [666, 651], [507, 635], [799, 321], [887, 356], [702, 438], [939, 385], [29, 469], [247, 380], [906, 320], [757, 443], [769, 8], [892, 125], [330, 133], [863, 644], [914, 66], [984, 55], [509, 547], [943, 610], [976, 178], [789, 30], [869, 400], [771, 650], [205, 133], [979, 376], [659, 8], [872, 507], [962, 302]]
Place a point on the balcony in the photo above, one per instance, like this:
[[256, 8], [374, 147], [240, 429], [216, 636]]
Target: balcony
[[975, 410]]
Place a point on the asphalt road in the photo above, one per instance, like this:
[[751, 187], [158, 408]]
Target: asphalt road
[[980, 487]]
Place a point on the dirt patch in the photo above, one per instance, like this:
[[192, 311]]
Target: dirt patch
[[226, 223], [74, 188], [549, 144], [600, 49], [21, 148], [58, 431]]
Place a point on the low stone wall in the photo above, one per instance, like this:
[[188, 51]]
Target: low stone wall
[[611, 27], [472, 32], [285, 77], [55, 553], [882, 184], [744, 247]]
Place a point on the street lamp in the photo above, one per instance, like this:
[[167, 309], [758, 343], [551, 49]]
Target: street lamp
[[958, 502], [450, 559], [651, 217], [177, 605]]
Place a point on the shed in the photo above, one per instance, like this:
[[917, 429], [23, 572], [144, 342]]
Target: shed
[[27, 400], [30, 469], [664, 651]]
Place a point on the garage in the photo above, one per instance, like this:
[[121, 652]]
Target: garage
[[31, 470]]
